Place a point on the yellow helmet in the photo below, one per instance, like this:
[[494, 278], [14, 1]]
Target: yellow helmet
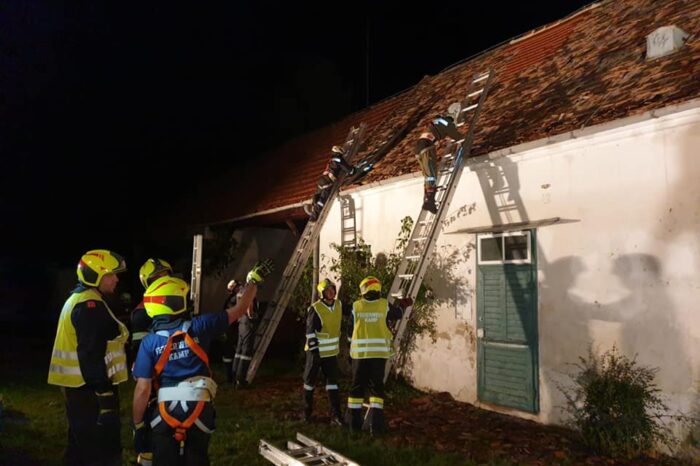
[[152, 269], [370, 284], [166, 296], [323, 284], [96, 264]]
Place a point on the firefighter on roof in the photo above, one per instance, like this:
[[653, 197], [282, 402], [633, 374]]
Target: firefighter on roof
[[439, 128]]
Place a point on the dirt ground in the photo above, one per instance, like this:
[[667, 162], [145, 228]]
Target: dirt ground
[[437, 421]]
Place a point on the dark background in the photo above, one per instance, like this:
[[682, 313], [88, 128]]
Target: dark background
[[110, 110]]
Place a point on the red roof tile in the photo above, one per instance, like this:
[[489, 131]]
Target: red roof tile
[[584, 70]]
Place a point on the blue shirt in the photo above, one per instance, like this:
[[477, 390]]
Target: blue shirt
[[183, 362]]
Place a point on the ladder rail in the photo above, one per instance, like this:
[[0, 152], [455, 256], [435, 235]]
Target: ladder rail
[[426, 230], [295, 266], [196, 275], [348, 222], [303, 452]]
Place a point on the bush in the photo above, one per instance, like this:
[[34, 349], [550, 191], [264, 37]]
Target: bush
[[352, 265], [616, 406]]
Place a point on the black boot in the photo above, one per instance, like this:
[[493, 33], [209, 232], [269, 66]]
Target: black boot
[[429, 200], [229, 371], [308, 404], [334, 402], [353, 418], [376, 422]]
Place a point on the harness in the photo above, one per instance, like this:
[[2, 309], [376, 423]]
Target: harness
[[200, 389]]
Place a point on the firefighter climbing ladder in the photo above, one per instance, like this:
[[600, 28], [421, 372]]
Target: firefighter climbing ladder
[[348, 228], [304, 452], [389, 133], [295, 266], [414, 264]]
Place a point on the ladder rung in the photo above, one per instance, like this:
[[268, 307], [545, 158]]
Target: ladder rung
[[420, 238], [412, 258], [475, 93], [405, 275], [482, 77], [313, 458], [470, 107]]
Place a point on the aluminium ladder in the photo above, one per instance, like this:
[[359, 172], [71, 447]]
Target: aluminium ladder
[[297, 263], [305, 452], [196, 280], [348, 226], [388, 133], [414, 264]]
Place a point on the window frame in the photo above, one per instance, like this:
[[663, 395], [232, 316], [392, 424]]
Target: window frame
[[526, 233]]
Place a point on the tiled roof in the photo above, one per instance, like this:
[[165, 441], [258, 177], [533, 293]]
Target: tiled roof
[[584, 70]]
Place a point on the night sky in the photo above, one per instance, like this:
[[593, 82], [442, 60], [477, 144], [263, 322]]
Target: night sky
[[98, 100]]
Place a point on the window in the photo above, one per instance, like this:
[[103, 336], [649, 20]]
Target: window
[[505, 248]]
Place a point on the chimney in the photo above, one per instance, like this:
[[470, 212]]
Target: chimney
[[665, 41]]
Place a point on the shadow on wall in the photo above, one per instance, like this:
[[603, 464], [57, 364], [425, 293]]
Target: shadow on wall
[[254, 244]]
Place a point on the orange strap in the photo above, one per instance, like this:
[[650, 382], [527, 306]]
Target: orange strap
[[181, 426], [194, 346]]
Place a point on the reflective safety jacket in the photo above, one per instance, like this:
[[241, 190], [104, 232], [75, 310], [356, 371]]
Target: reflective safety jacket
[[327, 337], [371, 337], [65, 364]]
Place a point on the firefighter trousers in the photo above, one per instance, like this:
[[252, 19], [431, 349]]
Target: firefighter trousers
[[166, 449], [329, 366], [367, 376], [244, 349], [90, 443]]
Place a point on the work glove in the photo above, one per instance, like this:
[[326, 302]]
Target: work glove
[[141, 443], [108, 408], [260, 271]]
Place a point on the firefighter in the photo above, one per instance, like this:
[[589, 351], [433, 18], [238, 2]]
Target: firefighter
[[173, 361], [337, 165], [230, 337], [150, 271], [322, 347], [370, 347], [89, 361], [247, 327], [439, 128]]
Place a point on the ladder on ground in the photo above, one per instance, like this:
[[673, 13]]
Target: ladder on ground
[[348, 227], [417, 254], [297, 263], [304, 452]]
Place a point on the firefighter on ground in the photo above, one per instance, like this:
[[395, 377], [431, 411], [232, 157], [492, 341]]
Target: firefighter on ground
[[89, 361], [322, 347], [150, 271], [173, 361], [247, 327], [337, 165], [370, 347], [439, 128], [231, 336]]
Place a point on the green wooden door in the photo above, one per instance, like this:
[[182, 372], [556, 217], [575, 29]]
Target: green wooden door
[[507, 320]]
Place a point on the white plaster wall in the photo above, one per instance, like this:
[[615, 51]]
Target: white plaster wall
[[622, 269]]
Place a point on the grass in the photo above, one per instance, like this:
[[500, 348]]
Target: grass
[[35, 429]]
